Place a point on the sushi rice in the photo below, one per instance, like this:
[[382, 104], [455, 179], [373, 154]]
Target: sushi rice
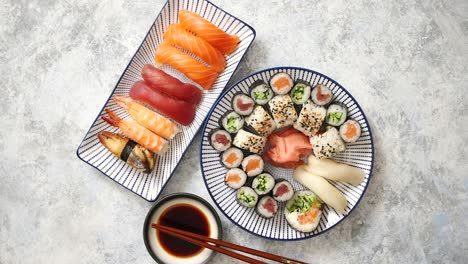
[[261, 121], [220, 140], [321, 95], [350, 131], [336, 114], [232, 122], [235, 178], [263, 183], [232, 157], [267, 207], [243, 104], [300, 93], [281, 83], [253, 165], [310, 118], [261, 93], [327, 144], [282, 109], [246, 196], [250, 142], [303, 211]]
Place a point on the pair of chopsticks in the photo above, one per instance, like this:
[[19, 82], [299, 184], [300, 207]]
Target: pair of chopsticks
[[216, 245]]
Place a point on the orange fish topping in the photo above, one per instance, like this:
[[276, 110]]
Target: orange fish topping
[[281, 83], [252, 165], [231, 158], [309, 217]]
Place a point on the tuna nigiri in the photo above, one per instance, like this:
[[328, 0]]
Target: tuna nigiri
[[205, 29], [180, 37], [186, 64], [160, 81], [178, 110]]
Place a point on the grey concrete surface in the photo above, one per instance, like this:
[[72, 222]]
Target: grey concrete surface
[[406, 62]]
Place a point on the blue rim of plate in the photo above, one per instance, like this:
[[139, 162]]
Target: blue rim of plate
[[284, 68], [120, 78]]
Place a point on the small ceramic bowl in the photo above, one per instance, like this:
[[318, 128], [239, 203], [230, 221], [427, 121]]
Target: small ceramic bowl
[[167, 249]]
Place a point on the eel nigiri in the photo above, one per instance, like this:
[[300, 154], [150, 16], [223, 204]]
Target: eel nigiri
[[210, 32], [186, 64], [151, 120], [180, 37], [128, 150], [160, 81], [137, 133], [178, 110]]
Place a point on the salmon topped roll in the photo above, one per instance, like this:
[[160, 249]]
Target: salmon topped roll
[[180, 37], [186, 64], [203, 28]]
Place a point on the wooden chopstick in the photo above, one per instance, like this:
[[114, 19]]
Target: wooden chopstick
[[185, 234]]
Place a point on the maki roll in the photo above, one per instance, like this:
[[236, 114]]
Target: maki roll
[[246, 196], [232, 122], [300, 93], [267, 207], [327, 144], [232, 157], [303, 211], [321, 94], [350, 131], [263, 183], [243, 104], [336, 114], [261, 121], [220, 140], [253, 165], [235, 178], [283, 191], [310, 118], [261, 93], [250, 142], [281, 83], [282, 109]]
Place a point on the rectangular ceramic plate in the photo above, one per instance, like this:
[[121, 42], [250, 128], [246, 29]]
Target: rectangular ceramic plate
[[148, 186]]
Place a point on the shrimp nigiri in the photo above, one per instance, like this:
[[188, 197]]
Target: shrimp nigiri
[[137, 133], [151, 120], [210, 32], [186, 64], [179, 36]]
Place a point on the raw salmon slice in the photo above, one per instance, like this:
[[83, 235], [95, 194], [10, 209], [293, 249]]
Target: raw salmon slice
[[186, 64], [180, 37], [210, 32]]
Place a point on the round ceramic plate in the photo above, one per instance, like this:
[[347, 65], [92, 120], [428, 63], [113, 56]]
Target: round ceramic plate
[[359, 154]]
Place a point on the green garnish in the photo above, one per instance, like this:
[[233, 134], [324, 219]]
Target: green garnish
[[303, 203], [335, 117], [231, 123], [261, 95], [246, 198], [298, 92], [262, 182]]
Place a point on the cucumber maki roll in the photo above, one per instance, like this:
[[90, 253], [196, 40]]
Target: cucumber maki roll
[[261, 93], [243, 104], [232, 122], [263, 183], [281, 83], [267, 207], [300, 93], [336, 114], [246, 196]]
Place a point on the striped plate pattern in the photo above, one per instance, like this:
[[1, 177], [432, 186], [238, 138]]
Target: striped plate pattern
[[149, 186], [359, 154]]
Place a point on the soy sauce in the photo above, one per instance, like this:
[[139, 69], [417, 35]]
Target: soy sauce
[[186, 217]]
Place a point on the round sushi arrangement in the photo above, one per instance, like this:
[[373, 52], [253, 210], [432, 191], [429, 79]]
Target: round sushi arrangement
[[288, 123]]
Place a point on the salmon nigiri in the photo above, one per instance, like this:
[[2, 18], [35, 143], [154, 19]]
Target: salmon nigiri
[[186, 64], [210, 32], [179, 36]]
